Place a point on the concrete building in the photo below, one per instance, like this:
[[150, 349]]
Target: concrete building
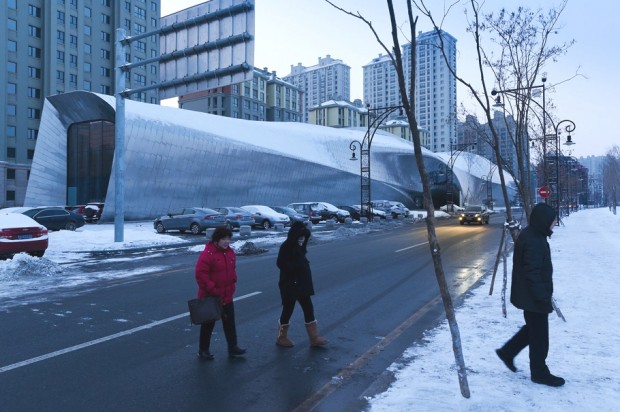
[[57, 46], [435, 93], [176, 158], [330, 79], [266, 97], [334, 113]]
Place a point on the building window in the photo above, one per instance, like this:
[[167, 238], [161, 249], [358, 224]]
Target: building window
[[73, 79], [104, 89], [34, 31], [104, 71], [32, 134], [12, 24], [11, 109], [139, 12], [60, 56], [73, 21], [11, 131], [87, 48], [105, 18], [11, 88], [11, 46], [60, 16], [34, 72], [30, 154], [87, 30], [86, 67], [105, 54], [12, 4], [153, 22], [60, 36], [105, 3], [34, 92], [10, 195], [10, 174], [87, 85], [10, 152], [141, 46], [105, 36], [88, 12], [139, 28], [34, 52], [153, 6], [73, 60], [73, 40], [34, 113]]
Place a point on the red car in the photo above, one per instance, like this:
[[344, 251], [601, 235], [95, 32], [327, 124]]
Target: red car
[[19, 233]]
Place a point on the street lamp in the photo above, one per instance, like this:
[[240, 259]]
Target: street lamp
[[569, 127], [380, 115]]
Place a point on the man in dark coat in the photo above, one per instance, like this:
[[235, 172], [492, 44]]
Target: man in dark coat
[[296, 285], [532, 292]]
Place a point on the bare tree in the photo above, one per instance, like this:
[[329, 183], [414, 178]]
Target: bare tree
[[408, 100], [611, 177], [514, 58]]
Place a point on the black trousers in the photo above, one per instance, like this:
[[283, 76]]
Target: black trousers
[[230, 330], [288, 306], [535, 334]]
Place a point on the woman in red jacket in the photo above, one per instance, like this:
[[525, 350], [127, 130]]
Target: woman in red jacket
[[216, 276]]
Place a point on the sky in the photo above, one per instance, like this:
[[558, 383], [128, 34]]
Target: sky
[[300, 31], [583, 350]]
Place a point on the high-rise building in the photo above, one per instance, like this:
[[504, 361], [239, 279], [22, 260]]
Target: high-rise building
[[57, 46], [328, 80], [435, 92]]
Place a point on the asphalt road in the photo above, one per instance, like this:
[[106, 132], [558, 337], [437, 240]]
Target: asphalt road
[[127, 345]]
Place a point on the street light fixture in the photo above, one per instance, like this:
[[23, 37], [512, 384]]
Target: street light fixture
[[380, 115]]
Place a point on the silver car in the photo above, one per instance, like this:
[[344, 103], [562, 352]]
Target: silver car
[[236, 217], [193, 219]]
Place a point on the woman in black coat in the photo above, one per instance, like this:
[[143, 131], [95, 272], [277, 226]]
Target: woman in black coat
[[296, 285], [532, 292]]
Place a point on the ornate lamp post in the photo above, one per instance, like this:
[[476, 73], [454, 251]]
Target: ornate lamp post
[[380, 115]]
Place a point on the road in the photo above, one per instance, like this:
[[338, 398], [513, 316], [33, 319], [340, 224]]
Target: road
[[128, 345]]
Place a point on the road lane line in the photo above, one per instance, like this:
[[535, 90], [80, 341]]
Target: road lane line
[[411, 247], [104, 339], [312, 402]]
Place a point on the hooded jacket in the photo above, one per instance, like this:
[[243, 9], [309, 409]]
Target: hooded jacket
[[216, 273], [295, 274], [532, 270]]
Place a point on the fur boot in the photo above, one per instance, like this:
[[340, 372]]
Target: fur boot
[[283, 339], [313, 334]]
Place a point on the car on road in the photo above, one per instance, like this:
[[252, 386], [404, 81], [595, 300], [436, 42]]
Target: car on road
[[55, 217], [294, 215], [266, 217], [236, 216], [193, 219], [20, 233], [474, 214]]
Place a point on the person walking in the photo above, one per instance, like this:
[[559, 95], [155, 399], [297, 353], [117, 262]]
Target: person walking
[[296, 285], [216, 276], [532, 292]]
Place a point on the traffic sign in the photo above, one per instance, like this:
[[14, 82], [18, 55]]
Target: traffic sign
[[544, 192]]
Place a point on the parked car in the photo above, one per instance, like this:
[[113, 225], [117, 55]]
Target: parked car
[[388, 208], [355, 213], [236, 217], [338, 214], [193, 219], [20, 233], [91, 211], [266, 217], [474, 214], [294, 215], [453, 208], [375, 212], [400, 208], [315, 212], [55, 217]]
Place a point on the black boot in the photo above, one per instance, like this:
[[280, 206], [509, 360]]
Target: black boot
[[205, 355], [236, 352], [549, 380], [508, 361]]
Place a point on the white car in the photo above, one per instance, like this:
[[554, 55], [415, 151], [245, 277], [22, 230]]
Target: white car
[[375, 212], [266, 217], [399, 208]]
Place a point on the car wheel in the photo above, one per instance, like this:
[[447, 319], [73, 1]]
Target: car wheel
[[266, 224], [70, 226], [160, 228], [38, 253], [195, 228]]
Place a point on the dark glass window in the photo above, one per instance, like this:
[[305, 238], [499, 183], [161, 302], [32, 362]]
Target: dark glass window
[[90, 150]]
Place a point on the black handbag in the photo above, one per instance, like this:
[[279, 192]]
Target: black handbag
[[204, 310]]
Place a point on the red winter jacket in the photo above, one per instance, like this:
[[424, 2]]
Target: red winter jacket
[[216, 274]]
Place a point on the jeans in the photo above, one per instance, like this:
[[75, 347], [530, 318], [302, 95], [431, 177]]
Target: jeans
[[535, 334]]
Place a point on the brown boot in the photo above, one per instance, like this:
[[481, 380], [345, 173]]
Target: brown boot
[[313, 334], [282, 339]]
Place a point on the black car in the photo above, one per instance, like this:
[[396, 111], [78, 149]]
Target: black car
[[474, 214], [294, 215], [55, 218], [355, 213]]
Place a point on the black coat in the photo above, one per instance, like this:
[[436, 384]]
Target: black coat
[[532, 270], [295, 274]]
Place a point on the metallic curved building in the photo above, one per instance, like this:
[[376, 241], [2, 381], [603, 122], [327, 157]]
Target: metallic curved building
[[176, 158]]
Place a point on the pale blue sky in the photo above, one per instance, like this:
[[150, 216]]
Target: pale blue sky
[[300, 31]]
